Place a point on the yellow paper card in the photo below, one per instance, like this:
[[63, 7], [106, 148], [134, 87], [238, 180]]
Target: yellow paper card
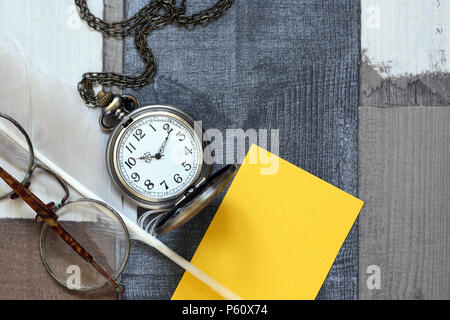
[[275, 236]]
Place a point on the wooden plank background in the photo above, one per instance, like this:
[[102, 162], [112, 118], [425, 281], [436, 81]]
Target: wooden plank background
[[113, 49], [404, 145], [251, 69], [404, 226], [52, 34], [405, 53], [404, 149], [57, 45]]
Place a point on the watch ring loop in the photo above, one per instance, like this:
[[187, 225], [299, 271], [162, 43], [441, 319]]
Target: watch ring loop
[[116, 110]]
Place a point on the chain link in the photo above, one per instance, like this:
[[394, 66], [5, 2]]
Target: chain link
[[156, 14]]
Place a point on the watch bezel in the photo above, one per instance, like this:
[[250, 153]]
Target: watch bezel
[[113, 144]]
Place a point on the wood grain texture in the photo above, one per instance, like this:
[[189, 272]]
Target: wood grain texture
[[253, 69], [429, 89], [405, 53], [406, 37], [53, 36], [405, 226], [113, 48], [23, 274], [404, 149], [46, 48]]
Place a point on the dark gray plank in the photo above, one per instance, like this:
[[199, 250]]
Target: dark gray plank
[[404, 226], [285, 65]]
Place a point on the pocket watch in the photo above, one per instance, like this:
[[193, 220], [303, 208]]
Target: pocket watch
[[155, 158]]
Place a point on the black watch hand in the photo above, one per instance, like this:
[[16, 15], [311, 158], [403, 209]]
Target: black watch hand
[[147, 157], [163, 147]]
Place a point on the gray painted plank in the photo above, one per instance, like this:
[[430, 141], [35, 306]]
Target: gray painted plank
[[113, 48], [253, 69], [403, 151], [404, 226]]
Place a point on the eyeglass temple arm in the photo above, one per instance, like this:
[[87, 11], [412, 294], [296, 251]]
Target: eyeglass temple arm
[[46, 213]]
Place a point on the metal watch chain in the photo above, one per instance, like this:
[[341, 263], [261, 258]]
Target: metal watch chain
[[156, 14]]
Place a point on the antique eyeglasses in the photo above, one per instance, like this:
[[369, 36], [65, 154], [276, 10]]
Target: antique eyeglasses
[[84, 244]]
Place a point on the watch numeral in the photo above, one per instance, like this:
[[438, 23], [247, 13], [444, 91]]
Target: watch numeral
[[165, 184], [182, 136], [131, 148], [186, 166], [139, 135], [167, 128], [131, 163], [178, 178], [187, 150], [152, 127], [149, 185], [136, 177]]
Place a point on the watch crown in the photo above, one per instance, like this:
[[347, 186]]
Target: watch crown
[[104, 98]]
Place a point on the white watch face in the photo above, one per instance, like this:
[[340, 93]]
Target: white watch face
[[159, 156]]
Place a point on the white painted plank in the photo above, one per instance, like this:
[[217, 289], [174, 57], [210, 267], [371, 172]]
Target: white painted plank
[[406, 37], [53, 37], [45, 50]]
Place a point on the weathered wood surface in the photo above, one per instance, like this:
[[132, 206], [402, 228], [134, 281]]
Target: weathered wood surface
[[404, 150], [113, 48], [405, 53], [405, 227], [23, 274], [404, 156], [285, 65], [47, 48], [53, 36]]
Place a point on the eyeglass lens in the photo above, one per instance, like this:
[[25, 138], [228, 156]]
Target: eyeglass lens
[[99, 231]]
